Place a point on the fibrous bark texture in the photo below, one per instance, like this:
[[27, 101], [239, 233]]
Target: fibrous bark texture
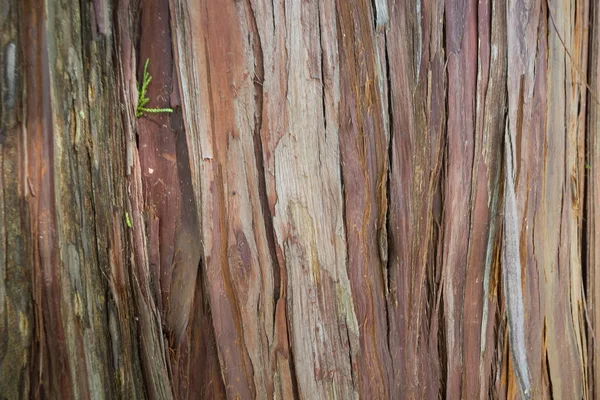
[[377, 199]]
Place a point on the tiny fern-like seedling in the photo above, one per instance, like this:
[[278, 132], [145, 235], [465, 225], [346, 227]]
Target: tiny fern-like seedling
[[143, 99]]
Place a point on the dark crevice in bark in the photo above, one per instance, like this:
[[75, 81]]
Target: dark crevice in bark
[[273, 14], [292, 355], [287, 57], [353, 372], [476, 139], [442, 350], [374, 13], [584, 250], [113, 366], [258, 80], [390, 115], [322, 64], [340, 165], [444, 161], [137, 69], [587, 183], [501, 317], [418, 42], [442, 354], [588, 187], [501, 345], [566, 190], [549, 376]]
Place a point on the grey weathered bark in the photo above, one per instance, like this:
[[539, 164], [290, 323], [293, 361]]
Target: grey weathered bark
[[351, 198]]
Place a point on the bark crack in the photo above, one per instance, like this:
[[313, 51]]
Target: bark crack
[[323, 95], [258, 79], [390, 114]]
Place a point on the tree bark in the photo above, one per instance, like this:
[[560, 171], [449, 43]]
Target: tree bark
[[349, 199]]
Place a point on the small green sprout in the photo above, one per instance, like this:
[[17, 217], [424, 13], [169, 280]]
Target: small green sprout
[[127, 220], [143, 100], [587, 166]]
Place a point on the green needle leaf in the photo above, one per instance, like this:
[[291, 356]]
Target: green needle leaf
[[143, 99]]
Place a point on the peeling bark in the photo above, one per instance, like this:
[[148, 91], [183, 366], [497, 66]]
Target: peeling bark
[[350, 199]]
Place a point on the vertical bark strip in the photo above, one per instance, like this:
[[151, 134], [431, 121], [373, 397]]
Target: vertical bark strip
[[417, 93], [364, 158], [511, 260], [591, 214], [462, 55], [350, 199]]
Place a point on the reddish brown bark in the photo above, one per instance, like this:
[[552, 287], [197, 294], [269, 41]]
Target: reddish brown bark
[[350, 199]]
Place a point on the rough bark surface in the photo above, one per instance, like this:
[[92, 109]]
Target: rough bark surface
[[351, 199]]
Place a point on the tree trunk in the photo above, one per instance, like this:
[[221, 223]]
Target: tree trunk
[[350, 199]]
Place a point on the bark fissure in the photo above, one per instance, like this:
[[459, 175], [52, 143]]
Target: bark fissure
[[322, 66], [390, 115], [259, 89]]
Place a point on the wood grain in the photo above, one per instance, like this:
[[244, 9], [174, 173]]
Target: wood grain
[[351, 199]]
